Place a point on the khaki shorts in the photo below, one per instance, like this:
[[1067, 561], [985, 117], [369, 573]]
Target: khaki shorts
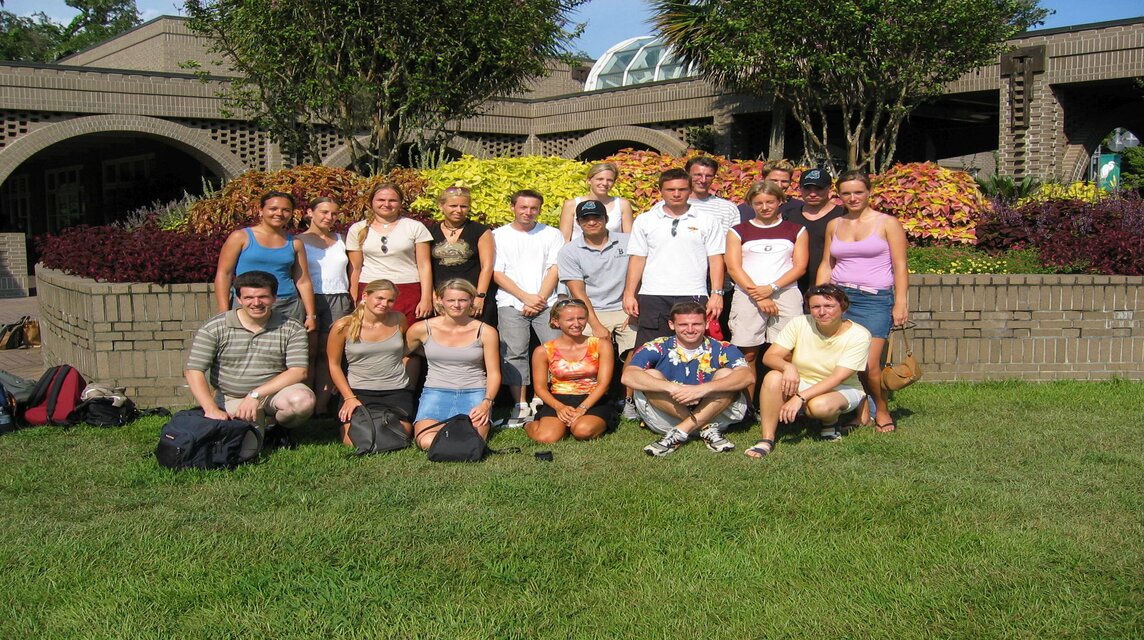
[[751, 327], [662, 423], [262, 419], [616, 322]]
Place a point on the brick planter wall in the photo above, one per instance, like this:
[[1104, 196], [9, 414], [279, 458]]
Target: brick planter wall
[[14, 280], [982, 327], [134, 335], [1029, 327]]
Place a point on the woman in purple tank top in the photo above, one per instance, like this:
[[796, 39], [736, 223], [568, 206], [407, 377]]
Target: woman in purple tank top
[[865, 255]]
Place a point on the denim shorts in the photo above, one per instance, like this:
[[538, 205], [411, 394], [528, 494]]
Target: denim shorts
[[439, 404], [871, 310]]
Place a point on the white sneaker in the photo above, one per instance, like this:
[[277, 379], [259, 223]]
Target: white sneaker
[[518, 417], [629, 411], [667, 444], [715, 440]]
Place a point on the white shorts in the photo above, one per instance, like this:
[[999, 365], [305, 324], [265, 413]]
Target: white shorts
[[853, 395], [662, 423], [750, 327], [616, 322]]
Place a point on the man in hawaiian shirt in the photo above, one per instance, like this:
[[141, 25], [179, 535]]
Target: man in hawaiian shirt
[[688, 383]]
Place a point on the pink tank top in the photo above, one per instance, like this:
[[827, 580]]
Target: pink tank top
[[864, 262]]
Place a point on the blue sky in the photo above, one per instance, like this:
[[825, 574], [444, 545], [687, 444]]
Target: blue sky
[[610, 21]]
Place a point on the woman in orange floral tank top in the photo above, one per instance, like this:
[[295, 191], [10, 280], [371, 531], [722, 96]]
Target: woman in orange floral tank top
[[571, 375]]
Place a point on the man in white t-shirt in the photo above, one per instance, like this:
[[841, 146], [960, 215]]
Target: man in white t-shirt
[[702, 170], [673, 252], [526, 275]]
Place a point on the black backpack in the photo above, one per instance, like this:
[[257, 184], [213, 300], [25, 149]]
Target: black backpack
[[377, 430], [7, 410], [457, 441], [102, 412], [191, 440]]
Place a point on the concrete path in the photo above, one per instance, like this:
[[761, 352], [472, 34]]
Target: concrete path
[[26, 363]]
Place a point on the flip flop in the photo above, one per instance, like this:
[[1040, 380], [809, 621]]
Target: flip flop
[[760, 449], [888, 427]]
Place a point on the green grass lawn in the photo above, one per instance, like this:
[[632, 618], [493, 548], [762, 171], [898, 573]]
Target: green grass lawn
[[996, 510]]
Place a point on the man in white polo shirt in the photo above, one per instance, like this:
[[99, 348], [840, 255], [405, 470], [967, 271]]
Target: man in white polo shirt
[[526, 276], [673, 252]]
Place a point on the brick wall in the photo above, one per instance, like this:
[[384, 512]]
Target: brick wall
[[14, 279], [977, 327], [132, 335], [1031, 327]]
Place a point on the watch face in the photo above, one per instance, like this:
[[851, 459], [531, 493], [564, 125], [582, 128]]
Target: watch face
[[255, 395], [480, 295]]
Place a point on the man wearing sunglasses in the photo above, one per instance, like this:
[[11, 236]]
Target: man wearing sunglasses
[[674, 251]]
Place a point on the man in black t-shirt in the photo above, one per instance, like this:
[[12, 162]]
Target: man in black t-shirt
[[814, 212]]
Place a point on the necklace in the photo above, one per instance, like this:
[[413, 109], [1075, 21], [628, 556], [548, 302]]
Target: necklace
[[451, 232]]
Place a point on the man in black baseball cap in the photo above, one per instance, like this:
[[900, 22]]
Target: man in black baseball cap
[[814, 213]]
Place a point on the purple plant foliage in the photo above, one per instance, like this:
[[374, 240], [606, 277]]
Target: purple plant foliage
[[146, 254], [1105, 237]]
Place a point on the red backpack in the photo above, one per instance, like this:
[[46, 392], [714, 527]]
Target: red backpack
[[55, 395]]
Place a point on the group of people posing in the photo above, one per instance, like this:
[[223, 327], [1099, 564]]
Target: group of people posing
[[430, 321]]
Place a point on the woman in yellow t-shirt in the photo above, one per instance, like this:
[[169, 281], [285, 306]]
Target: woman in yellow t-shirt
[[814, 365]]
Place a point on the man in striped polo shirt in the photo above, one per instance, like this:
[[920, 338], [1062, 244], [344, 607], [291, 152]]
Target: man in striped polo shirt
[[253, 358]]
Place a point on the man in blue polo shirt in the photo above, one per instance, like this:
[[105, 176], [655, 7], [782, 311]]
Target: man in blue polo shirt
[[689, 383], [594, 267]]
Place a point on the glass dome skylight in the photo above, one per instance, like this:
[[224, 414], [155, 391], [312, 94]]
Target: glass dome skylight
[[636, 61]]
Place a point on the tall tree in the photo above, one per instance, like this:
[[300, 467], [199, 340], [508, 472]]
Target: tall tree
[[381, 73], [871, 61], [37, 38]]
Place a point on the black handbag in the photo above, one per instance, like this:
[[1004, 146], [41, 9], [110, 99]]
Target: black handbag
[[377, 430], [457, 441]]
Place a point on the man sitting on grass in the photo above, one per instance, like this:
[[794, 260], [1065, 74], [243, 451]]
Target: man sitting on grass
[[254, 358], [688, 382]]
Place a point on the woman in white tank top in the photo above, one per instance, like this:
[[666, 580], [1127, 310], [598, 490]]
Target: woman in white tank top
[[601, 178], [330, 277]]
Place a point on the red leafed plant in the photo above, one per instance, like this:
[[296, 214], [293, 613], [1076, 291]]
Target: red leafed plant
[[146, 254], [235, 205], [935, 205], [639, 176]]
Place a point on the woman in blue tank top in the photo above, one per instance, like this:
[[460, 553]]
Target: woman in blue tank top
[[267, 247]]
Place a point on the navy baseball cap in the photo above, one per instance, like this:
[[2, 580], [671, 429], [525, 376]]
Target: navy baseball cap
[[815, 178], [590, 208]]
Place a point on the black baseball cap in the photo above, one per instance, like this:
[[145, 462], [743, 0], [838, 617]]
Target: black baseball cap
[[590, 208], [815, 178]]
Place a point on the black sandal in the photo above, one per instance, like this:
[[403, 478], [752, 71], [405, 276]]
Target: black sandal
[[760, 449]]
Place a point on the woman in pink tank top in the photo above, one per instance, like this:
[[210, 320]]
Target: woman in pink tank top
[[865, 255]]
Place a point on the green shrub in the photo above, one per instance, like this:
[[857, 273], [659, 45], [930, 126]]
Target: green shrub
[[963, 259], [493, 181]]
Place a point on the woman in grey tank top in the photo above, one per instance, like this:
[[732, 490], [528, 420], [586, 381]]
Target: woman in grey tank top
[[372, 341], [463, 357]]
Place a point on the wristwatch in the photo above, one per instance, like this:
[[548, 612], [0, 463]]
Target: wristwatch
[[254, 394], [774, 287], [480, 294], [716, 292]]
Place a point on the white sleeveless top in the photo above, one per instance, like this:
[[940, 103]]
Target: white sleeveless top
[[327, 267]]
